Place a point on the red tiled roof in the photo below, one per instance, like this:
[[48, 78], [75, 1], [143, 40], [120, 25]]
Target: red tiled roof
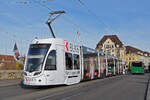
[[6, 57], [114, 39], [145, 52], [130, 49]]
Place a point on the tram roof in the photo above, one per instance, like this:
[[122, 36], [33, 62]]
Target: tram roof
[[87, 50], [47, 40]]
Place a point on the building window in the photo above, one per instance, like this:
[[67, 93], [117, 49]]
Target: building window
[[108, 46], [129, 58], [133, 59], [69, 61], [108, 52]]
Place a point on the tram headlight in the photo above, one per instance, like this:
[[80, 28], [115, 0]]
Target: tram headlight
[[40, 80], [36, 73]]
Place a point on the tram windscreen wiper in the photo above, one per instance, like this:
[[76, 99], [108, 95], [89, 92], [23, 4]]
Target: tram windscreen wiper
[[35, 67]]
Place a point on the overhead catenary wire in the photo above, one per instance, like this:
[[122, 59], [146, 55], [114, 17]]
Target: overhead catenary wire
[[42, 5], [97, 18], [82, 30], [68, 19], [79, 28], [11, 39]]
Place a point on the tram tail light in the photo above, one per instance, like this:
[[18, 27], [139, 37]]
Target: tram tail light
[[87, 75], [95, 73]]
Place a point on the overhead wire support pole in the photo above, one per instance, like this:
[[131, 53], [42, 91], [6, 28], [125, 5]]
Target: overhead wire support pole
[[114, 66], [106, 64], [51, 19], [69, 20]]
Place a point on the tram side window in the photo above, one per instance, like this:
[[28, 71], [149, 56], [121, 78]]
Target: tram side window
[[96, 62], [86, 64], [76, 62], [51, 61], [69, 65]]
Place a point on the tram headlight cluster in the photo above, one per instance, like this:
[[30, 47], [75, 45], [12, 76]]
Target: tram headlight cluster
[[33, 79]]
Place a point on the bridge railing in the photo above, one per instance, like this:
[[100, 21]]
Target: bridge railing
[[11, 74]]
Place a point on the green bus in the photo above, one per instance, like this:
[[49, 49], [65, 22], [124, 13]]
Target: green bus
[[137, 67]]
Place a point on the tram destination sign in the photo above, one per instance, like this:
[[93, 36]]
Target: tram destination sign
[[41, 46]]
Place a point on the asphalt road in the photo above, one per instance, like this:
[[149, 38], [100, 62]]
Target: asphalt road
[[124, 87]]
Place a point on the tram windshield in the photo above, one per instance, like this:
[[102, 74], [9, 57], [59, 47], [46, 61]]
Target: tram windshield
[[137, 64], [36, 55]]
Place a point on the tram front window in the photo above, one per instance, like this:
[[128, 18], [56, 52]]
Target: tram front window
[[35, 57], [137, 64]]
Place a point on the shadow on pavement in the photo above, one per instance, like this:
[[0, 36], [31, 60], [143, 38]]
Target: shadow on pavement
[[38, 87]]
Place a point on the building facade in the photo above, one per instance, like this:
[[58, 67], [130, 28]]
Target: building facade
[[111, 44], [133, 55], [7, 62], [146, 60]]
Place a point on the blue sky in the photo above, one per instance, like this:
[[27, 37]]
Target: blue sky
[[22, 20]]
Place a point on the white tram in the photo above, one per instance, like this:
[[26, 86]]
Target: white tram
[[54, 61]]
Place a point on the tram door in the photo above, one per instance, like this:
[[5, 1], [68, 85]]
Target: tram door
[[54, 66], [72, 65], [101, 66]]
